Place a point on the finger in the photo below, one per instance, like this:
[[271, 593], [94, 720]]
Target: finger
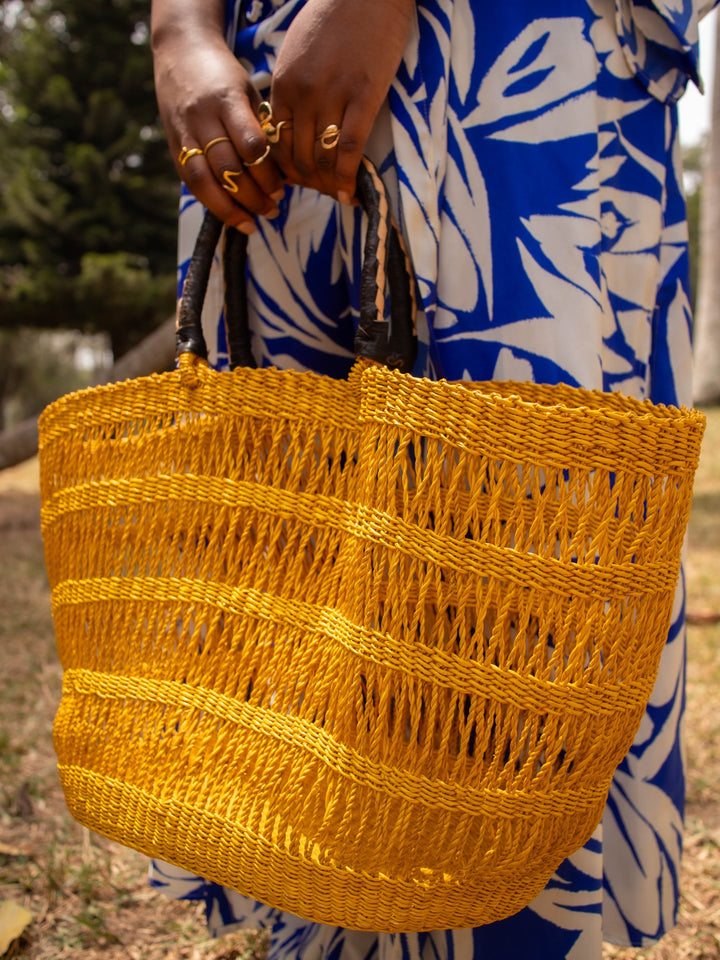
[[281, 148], [200, 179], [263, 170], [356, 126], [275, 130], [327, 137], [309, 158], [282, 154], [296, 153], [252, 146], [235, 176]]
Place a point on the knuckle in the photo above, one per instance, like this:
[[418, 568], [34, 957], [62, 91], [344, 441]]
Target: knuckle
[[195, 111], [348, 143], [204, 104], [226, 168], [291, 85], [196, 177], [252, 145]]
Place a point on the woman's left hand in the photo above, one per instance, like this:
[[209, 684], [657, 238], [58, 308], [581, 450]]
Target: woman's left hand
[[335, 66]]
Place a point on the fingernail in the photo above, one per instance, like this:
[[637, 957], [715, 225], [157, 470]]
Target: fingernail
[[344, 197], [272, 214], [246, 227], [278, 195]]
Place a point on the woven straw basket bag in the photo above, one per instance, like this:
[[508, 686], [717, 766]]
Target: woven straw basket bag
[[368, 651]]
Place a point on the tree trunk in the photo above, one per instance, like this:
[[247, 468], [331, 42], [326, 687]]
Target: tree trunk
[[153, 355], [707, 319]]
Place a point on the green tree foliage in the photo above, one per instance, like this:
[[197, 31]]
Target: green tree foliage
[[88, 193]]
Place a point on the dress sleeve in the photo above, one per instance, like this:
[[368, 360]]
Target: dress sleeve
[[660, 42]]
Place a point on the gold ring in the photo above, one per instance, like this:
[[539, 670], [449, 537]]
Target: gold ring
[[213, 142], [270, 129], [254, 163], [229, 184], [273, 133], [329, 137], [187, 152]]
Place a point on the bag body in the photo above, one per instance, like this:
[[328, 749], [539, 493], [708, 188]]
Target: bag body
[[368, 651]]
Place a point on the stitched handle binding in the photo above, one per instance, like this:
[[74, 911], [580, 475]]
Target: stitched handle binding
[[386, 267]]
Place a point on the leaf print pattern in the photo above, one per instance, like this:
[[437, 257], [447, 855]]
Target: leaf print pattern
[[532, 158], [528, 77]]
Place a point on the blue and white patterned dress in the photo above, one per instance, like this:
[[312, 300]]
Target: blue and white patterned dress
[[532, 154]]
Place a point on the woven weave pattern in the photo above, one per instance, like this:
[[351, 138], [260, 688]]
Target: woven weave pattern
[[368, 651]]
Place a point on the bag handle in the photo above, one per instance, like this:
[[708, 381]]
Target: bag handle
[[391, 341]]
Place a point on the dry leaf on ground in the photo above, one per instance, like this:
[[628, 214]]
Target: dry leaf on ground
[[13, 920]]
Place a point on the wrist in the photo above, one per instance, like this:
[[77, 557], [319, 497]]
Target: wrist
[[178, 23]]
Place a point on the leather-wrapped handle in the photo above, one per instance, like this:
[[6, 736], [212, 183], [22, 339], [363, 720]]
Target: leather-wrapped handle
[[390, 340], [189, 336], [237, 323], [386, 268]]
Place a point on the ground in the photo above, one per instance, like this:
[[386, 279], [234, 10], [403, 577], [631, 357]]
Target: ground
[[89, 896]]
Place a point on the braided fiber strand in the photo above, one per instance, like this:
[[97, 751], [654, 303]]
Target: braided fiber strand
[[368, 651], [383, 214]]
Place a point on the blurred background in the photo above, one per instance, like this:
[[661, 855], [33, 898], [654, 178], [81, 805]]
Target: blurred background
[[88, 197]]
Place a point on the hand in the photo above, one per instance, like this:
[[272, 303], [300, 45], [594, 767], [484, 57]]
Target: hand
[[335, 66], [203, 94]]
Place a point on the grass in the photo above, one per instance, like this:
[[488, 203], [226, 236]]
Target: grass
[[89, 896]]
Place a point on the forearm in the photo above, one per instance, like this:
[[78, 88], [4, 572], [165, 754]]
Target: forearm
[[186, 21]]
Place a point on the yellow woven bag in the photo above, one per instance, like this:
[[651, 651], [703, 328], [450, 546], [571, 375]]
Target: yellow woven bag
[[370, 650]]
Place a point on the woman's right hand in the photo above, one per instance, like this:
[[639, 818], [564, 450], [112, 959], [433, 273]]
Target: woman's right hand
[[205, 95]]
